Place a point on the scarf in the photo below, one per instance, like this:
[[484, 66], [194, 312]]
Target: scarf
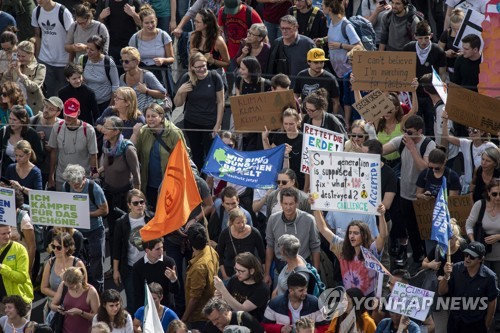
[[117, 149], [423, 53]]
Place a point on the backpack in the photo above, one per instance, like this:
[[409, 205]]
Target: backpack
[[38, 229], [90, 191], [423, 146], [107, 64], [84, 129], [315, 286], [363, 28], [310, 21], [60, 14], [248, 13], [409, 22]]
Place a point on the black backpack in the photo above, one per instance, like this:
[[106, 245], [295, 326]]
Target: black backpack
[[364, 30], [62, 8], [423, 146], [107, 65]]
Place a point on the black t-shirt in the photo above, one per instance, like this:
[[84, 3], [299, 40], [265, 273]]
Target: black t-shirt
[[428, 182], [295, 154], [120, 25], [305, 85], [257, 293], [448, 41], [319, 27], [455, 257], [467, 72], [262, 85]]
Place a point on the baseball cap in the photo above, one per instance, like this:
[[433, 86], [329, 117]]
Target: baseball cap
[[316, 54], [231, 7], [55, 101], [71, 108], [475, 249]]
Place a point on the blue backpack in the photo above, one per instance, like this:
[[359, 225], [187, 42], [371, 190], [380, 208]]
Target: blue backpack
[[364, 29], [315, 286]]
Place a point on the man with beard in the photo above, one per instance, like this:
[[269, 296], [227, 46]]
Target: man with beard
[[246, 290], [398, 26], [283, 311]]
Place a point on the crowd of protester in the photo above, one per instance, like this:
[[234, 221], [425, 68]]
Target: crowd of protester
[[87, 94]]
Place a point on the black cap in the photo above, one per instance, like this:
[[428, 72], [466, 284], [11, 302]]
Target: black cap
[[475, 249]]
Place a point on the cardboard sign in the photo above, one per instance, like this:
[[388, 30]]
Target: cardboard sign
[[8, 214], [374, 106], [371, 262], [471, 25], [472, 109], [252, 112], [387, 71], [347, 182], [458, 205], [410, 301], [60, 209], [318, 138]]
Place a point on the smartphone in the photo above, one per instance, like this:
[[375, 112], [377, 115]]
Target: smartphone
[[14, 56], [383, 2], [5, 180]]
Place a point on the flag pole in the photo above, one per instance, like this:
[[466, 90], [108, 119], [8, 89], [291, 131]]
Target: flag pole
[[205, 222], [448, 254]]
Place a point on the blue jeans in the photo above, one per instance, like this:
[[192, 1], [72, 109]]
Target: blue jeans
[[96, 246], [273, 31]]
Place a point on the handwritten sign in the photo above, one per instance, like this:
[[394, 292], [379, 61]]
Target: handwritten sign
[[347, 182], [348, 324], [318, 138], [410, 301], [459, 207], [7, 206], [252, 112], [471, 25], [60, 209], [472, 109], [374, 106], [387, 71], [371, 262]]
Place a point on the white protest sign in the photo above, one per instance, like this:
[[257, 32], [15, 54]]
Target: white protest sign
[[318, 138], [8, 213], [410, 301], [60, 209], [440, 86], [371, 262], [348, 325], [347, 182], [470, 25]]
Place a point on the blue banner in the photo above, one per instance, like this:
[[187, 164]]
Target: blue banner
[[255, 169], [441, 227]]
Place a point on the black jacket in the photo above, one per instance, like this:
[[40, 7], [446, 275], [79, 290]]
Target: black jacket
[[31, 136]]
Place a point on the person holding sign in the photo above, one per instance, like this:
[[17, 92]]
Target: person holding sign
[[348, 251], [358, 136], [316, 105], [473, 279]]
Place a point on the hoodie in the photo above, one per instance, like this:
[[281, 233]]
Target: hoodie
[[395, 30]]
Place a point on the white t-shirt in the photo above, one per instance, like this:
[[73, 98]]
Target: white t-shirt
[[477, 5], [257, 196], [295, 312], [128, 328], [133, 252], [25, 225], [53, 35], [438, 132]]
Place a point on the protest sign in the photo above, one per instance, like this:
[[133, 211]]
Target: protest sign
[[318, 138], [439, 85], [371, 262], [458, 205], [60, 209], [255, 169], [348, 324], [347, 182], [410, 301], [253, 112], [471, 25], [374, 106], [472, 109], [387, 71], [8, 206]]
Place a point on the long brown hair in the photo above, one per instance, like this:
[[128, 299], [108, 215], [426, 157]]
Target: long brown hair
[[112, 296], [398, 112], [212, 31], [348, 251]]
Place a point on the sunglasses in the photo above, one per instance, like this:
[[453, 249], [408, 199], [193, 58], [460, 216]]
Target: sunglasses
[[56, 247], [137, 203], [472, 130], [282, 182], [4, 94], [409, 132], [126, 62], [357, 135], [435, 168], [494, 194], [466, 255]]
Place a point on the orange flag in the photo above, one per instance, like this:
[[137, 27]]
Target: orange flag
[[178, 196]]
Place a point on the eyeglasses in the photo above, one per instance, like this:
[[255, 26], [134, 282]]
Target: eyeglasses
[[435, 168], [137, 203], [56, 247], [81, 22], [199, 68], [118, 98], [286, 28], [472, 130], [239, 271], [126, 61], [494, 194], [252, 34], [468, 255], [357, 135], [310, 110], [282, 182]]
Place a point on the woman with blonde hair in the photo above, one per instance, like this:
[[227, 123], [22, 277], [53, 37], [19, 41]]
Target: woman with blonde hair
[[448, 37], [125, 107], [62, 249], [357, 137], [28, 73], [145, 84], [202, 93], [80, 302]]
